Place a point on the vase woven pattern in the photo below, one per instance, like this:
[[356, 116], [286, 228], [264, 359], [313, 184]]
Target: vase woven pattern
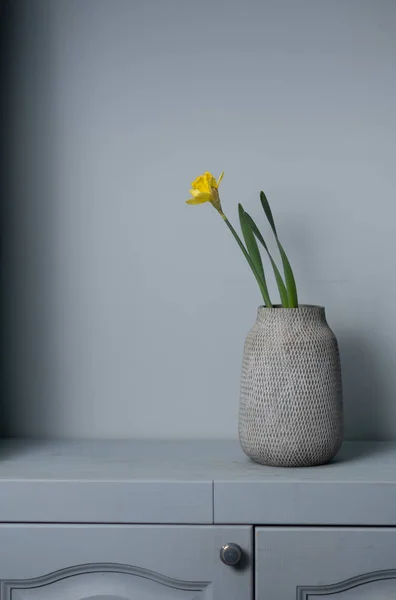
[[291, 412]]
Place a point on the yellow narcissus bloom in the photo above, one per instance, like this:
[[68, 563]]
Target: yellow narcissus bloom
[[205, 188]]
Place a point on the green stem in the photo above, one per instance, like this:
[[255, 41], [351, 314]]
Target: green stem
[[249, 260]]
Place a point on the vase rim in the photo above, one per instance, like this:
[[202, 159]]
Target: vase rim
[[299, 307]]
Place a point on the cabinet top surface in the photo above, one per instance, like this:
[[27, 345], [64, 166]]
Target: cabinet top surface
[[221, 461], [201, 482]]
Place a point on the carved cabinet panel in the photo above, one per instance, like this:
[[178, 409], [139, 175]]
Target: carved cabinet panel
[[296, 563], [104, 562], [105, 582], [371, 586]]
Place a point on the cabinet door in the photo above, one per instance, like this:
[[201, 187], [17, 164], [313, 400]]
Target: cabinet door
[[338, 563], [116, 562]]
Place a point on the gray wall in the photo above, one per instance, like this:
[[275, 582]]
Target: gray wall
[[124, 310]]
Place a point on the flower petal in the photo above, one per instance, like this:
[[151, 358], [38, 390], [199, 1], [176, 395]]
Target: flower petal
[[202, 196], [201, 199], [201, 184], [211, 180]]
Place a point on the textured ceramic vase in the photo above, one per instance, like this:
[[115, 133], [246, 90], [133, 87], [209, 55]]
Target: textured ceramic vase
[[290, 411]]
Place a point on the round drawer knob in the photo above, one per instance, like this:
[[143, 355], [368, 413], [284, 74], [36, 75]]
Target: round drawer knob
[[230, 554]]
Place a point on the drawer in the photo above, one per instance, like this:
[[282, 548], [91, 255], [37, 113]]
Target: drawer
[[114, 562], [312, 563]]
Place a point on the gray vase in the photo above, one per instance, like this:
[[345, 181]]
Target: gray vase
[[290, 411]]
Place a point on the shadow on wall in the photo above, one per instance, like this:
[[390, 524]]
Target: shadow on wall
[[365, 387], [28, 349], [5, 80]]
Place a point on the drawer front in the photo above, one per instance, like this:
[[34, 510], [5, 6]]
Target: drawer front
[[313, 563], [90, 501], [114, 562]]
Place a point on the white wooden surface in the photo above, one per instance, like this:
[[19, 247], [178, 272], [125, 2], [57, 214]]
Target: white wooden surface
[[191, 482]]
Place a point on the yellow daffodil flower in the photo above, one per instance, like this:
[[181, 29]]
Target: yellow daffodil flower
[[205, 188]]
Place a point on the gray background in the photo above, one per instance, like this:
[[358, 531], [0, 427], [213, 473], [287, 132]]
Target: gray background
[[125, 310]]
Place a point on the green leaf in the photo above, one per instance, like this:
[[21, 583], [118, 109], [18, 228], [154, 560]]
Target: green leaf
[[253, 251], [268, 212], [289, 277], [262, 286], [250, 242], [280, 283]]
